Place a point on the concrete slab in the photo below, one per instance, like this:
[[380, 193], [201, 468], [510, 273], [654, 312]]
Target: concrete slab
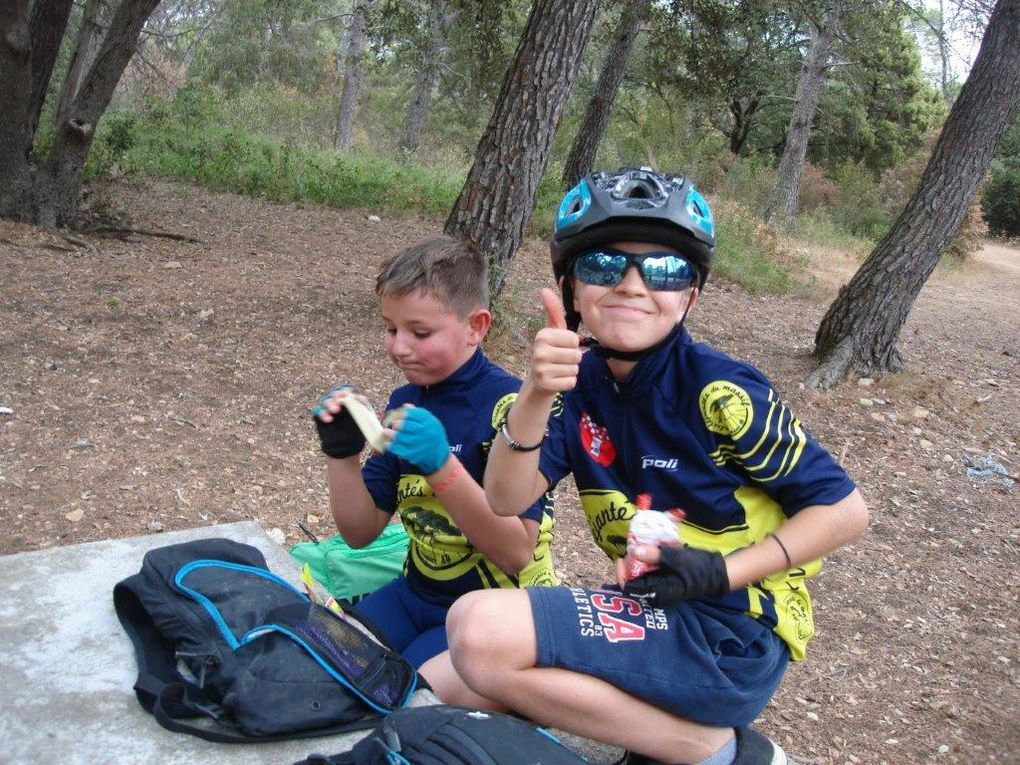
[[67, 667]]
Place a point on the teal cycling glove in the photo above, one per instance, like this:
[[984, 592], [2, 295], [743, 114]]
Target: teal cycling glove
[[421, 440]]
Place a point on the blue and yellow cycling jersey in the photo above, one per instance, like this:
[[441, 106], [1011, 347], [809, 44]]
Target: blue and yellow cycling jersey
[[441, 563], [705, 433]]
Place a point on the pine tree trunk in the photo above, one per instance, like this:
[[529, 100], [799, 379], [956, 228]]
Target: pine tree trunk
[[353, 61], [600, 108], [58, 181], [425, 83], [498, 197], [861, 328], [785, 195], [16, 199]]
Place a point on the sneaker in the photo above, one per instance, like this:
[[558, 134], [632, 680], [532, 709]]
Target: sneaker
[[633, 758], [754, 748]]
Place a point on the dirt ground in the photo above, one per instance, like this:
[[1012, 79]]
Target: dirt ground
[[150, 384]]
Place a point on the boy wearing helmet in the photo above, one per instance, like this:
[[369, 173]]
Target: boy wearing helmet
[[676, 666], [435, 305]]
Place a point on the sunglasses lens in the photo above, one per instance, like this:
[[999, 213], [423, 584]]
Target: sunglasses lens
[[606, 268], [669, 273], [601, 269]]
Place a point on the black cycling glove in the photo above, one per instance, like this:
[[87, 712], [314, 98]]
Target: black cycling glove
[[684, 573], [342, 437]]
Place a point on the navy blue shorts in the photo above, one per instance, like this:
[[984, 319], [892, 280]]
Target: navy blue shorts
[[714, 666], [415, 627]]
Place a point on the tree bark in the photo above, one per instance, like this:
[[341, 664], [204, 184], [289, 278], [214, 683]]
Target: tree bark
[[785, 195], [428, 74], [84, 54], [600, 108], [16, 199], [353, 61], [742, 122], [47, 25], [58, 181], [498, 196], [861, 327]]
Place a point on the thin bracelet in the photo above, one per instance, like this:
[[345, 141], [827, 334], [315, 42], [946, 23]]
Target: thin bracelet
[[514, 444], [789, 563], [447, 482]]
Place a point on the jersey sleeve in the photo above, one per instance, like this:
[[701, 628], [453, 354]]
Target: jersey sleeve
[[756, 434], [552, 459]]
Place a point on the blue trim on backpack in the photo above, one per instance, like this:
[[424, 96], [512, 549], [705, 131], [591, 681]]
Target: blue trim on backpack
[[207, 604]]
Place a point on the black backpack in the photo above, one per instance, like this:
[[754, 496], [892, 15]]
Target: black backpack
[[218, 636], [445, 735]]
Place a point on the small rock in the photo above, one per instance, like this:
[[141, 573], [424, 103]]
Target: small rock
[[373, 218], [866, 382], [919, 413], [943, 748], [75, 515], [173, 264], [154, 525], [866, 402], [205, 314], [277, 535], [925, 443], [6, 410], [313, 519], [878, 416]]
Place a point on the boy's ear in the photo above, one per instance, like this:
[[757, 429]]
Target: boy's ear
[[479, 321], [693, 299]]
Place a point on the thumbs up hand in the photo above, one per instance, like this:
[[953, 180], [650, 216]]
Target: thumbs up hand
[[556, 353]]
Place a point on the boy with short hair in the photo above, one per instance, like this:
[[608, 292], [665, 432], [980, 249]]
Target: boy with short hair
[[435, 304], [676, 666]]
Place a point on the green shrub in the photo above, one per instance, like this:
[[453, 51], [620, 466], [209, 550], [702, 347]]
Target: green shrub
[[748, 251], [1001, 200], [857, 201], [116, 136]]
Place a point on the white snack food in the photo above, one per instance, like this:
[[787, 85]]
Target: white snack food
[[367, 422]]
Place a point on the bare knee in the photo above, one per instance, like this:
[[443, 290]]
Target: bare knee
[[490, 634]]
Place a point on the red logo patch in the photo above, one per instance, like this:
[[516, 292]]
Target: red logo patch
[[596, 441]]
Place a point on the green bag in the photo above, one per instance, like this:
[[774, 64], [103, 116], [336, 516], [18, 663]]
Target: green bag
[[349, 573]]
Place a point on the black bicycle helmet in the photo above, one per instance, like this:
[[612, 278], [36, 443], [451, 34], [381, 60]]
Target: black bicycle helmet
[[631, 205]]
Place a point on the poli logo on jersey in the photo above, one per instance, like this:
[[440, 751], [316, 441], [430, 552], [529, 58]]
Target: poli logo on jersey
[[595, 439]]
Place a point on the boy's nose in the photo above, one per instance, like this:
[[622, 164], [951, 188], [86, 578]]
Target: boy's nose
[[632, 281], [400, 346]]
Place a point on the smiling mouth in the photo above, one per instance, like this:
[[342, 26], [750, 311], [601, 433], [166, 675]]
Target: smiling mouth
[[627, 309]]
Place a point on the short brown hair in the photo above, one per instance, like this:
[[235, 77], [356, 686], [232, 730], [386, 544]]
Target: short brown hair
[[444, 267]]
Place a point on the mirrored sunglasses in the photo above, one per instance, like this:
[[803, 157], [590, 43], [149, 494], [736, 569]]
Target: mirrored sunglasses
[[661, 271]]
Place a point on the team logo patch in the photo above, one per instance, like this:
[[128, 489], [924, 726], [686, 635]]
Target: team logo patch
[[595, 439], [726, 408], [502, 407]]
